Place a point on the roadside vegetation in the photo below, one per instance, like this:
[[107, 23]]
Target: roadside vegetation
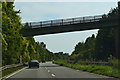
[[97, 54], [11, 70], [96, 48], [98, 69], [16, 48]]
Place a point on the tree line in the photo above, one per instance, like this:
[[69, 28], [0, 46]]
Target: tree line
[[14, 46], [101, 47]]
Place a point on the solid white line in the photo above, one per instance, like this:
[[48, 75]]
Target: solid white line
[[53, 75], [14, 73]]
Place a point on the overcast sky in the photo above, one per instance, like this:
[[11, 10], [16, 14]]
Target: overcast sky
[[42, 11]]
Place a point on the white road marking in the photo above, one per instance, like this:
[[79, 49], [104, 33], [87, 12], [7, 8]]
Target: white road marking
[[48, 70], [77, 70], [53, 75], [5, 77]]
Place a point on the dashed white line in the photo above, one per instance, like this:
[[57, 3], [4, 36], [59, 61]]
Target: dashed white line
[[53, 75], [48, 70]]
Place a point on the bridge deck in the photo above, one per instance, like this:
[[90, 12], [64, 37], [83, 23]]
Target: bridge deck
[[68, 25]]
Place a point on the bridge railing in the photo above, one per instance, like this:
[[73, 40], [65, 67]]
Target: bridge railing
[[65, 21]]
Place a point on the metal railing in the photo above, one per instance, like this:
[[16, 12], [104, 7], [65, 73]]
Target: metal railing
[[9, 66], [68, 21]]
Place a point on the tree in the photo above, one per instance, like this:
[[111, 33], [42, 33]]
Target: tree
[[84, 50], [14, 45], [105, 40]]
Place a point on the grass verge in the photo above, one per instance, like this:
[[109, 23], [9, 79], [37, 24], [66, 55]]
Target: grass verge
[[98, 69], [11, 70]]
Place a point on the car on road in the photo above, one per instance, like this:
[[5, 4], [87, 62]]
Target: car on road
[[43, 61], [33, 63]]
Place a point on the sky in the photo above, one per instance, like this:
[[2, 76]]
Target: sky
[[43, 11], [64, 0]]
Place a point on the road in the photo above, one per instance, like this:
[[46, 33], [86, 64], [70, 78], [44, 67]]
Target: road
[[50, 70]]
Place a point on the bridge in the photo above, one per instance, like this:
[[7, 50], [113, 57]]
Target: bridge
[[69, 25], [75, 24]]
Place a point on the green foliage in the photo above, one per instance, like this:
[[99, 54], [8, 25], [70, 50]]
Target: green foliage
[[105, 44], [99, 47], [105, 40], [15, 48], [61, 56], [114, 61], [84, 50], [99, 69], [11, 70], [10, 31]]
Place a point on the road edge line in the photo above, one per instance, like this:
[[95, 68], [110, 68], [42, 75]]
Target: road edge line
[[5, 77]]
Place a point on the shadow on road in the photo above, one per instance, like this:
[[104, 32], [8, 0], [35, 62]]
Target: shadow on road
[[32, 68], [49, 66]]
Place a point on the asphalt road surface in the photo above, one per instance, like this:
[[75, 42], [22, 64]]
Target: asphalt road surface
[[50, 70]]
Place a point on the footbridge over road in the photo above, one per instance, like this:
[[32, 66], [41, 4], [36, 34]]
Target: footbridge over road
[[75, 24], [69, 25]]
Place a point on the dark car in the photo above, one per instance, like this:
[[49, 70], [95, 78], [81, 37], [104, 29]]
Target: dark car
[[43, 61], [33, 63]]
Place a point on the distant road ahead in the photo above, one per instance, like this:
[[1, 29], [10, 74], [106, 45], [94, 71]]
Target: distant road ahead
[[50, 70]]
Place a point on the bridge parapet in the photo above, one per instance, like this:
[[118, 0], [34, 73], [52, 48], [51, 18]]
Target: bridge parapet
[[68, 21]]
